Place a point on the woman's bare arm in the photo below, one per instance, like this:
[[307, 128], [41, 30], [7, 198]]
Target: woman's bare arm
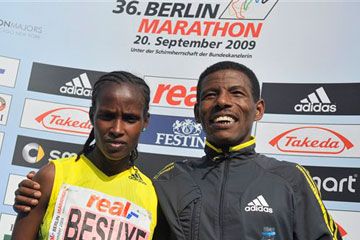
[[27, 225]]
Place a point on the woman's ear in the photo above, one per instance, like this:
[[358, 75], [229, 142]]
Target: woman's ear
[[91, 114], [146, 120]]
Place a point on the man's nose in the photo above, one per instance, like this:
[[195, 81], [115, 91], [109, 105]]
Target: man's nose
[[224, 99]]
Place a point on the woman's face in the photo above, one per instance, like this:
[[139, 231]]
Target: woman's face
[[118, 120]]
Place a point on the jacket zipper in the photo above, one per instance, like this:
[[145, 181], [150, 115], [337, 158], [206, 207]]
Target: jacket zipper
[[221, 206], [192, 226]]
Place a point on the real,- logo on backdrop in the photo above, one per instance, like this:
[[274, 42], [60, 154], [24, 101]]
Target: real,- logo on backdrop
[[172, 92], [306, 139], [65, 81], [56, 117], [174, 132], [8, 71], [337, 184], [5, 101], [37, 152], [312, 99], [197, 29]]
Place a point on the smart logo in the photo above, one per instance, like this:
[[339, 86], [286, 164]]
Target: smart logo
[[78, 86], [33, 153], [317, 101], [337, 184], [37, 152]]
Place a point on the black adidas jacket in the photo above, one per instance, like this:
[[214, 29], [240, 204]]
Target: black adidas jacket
[[225, 196]]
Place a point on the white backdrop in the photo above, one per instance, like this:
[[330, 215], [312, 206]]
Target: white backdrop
[[170, 43]]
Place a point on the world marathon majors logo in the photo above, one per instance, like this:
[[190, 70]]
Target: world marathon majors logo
[[36, 152], [65, 81], [20, 28], [312, 98], [204, 21], [173, 132], [336, 183]]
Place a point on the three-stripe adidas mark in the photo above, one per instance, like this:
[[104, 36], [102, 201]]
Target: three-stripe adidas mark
[[78, 86], [259, 204], [317, 101]]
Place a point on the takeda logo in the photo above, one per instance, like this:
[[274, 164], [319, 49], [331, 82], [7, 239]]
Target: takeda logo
[[67, 119], [342, 231], [311, 139]]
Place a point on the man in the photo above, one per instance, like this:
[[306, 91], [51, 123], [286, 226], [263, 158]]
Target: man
[[233, 192]]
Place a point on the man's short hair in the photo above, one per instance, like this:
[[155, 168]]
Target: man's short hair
[[225, 65]]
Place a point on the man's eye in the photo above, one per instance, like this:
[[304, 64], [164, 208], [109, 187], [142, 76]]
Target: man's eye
[[105, 117], [238, 93], [209, 95]]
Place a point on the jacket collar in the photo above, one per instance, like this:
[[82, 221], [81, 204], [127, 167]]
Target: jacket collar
[[215, 153]]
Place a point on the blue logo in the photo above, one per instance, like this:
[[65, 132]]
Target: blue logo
[[2, 71], [174, 131]]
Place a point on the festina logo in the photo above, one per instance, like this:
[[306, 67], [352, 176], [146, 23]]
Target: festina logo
[[68, 120], [185, 134], [311, 139]]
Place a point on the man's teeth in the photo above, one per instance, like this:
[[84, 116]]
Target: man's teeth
[[226, 119]]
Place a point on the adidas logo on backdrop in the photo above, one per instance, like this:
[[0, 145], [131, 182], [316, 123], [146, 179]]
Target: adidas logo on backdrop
[[259, 204], [78, 86], [317, 101]]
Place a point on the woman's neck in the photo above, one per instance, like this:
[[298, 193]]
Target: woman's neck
[[108, 167]]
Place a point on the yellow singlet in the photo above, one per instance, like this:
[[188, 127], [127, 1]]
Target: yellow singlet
[[87, 204]]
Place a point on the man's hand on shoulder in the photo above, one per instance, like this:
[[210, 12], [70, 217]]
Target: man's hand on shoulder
[[27, 195]]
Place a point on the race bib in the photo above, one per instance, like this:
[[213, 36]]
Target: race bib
[[82, 213]]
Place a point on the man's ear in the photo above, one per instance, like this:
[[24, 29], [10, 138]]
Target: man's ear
[[196, 113], [91, 114], [260, 109]]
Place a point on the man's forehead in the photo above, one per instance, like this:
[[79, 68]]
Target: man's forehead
[[228, 76]]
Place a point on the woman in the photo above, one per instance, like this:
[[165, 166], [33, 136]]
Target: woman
[[100, 194]]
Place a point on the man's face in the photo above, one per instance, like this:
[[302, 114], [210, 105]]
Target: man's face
[[118, 120], [226, 108]]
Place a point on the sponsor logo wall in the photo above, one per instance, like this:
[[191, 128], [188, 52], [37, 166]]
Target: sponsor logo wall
[[5, 101], [35, 152], [48, 70], [7, 225], [8, 71]]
